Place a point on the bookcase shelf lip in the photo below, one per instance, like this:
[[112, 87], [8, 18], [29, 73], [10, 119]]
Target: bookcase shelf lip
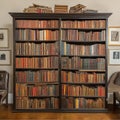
[[32, 69], [81, 96], [62, 110], [38, 83], [84, 41], [42, 83], [82, 70], [85, 109], [37, 110], [47, 96], [83, 29], [42, 28], [36, 41], [83, 83], [85, 56], [36, 55]]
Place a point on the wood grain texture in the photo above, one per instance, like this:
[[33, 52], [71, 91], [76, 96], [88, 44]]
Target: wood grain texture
[[6, 113]]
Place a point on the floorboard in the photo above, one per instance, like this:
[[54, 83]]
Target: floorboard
[[6, 113]]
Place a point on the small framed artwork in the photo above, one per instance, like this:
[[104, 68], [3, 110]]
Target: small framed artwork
[[5, 57], [114, 57], [3, 37], [114, 35]]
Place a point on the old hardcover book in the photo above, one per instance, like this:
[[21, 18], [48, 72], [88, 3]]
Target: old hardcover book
[[61, 9], [77, 8]]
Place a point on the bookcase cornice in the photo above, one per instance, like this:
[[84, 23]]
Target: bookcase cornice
[[61, 15]]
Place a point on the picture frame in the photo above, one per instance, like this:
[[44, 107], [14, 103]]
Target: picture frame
[[5, 57], [114, 35], [114, 57], [4, 38]]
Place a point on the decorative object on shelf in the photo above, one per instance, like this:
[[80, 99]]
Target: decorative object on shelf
[[114, 35], [38, 9], [114, 56], [3, 37], [5, 57]]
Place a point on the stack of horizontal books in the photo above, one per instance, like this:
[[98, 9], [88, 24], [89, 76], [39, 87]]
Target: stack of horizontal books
[[60, 9], [38, 9], [77, 8]]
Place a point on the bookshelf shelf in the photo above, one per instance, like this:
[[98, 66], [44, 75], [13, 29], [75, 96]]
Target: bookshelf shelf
[[36, 69], [60, 62], [83, 83], [35, 55], [83, 70], [37, 41], [84, 29], [85, 56], [48, 96], [93, 97], [83, 42]]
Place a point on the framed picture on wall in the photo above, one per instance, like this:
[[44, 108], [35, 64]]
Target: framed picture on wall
[[4, 38], [114, 57], [114, 35], [5, 57]]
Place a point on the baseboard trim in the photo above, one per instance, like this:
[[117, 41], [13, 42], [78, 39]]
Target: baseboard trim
[[10, 98]]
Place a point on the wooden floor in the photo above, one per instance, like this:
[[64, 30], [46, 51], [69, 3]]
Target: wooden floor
[[6, 113]]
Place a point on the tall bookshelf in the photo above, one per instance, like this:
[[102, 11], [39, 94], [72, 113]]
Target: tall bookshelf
[[60, 61]]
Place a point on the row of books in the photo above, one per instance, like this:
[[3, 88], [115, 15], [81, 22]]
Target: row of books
[[37, 23], [53, 90], [49, 35], [76, 49], [36, 90], [66, 63], [46, 103], [21, 89], [32, 35], [98, 63], [52, 49], [51, 76], [83, 24], [36, 49], [78, 103], [35, 62], [82, 77], [43, 76], [67, 103], [64, 24], [82, 90], [82, 63], [83, 35], [43, 90]]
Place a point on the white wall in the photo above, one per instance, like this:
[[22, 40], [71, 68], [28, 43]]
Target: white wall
[[6, 6]]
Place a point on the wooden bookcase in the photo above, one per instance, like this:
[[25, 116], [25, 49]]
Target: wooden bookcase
[[60, 62]]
